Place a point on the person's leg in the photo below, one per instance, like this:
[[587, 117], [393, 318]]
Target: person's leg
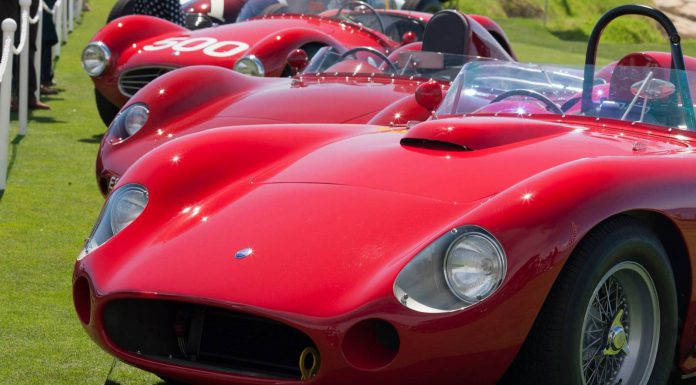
[[34, 103]]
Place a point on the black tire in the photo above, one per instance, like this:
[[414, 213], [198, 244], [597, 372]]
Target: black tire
[[121, 8], [429, 6], [552, 354], [107, 111]]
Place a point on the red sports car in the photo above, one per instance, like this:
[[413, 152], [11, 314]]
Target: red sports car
[[131, 51], [541, 231], [214, 12], [334, 88]]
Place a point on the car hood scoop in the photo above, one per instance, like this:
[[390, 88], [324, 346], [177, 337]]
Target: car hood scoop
[[471, 135]]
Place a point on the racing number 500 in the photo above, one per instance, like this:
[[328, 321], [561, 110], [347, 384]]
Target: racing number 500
[[209, 45]]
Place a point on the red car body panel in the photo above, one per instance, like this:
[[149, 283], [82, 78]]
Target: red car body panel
[[247, 187], [177, 107]]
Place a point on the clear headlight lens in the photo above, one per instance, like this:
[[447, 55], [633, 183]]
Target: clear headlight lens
[[135, 117], [130, 120], [461, 268], [95, 58], [250, 65], [474, 267], [122, 208]]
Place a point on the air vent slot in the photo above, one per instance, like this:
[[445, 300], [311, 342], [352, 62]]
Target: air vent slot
[[430, 144]]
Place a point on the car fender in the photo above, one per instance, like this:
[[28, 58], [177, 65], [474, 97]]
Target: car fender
[[124, 31], [401, 112], [540, 221], [498, 33]]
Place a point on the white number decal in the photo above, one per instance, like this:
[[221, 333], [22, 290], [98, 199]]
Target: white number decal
[[237, 47], [209, 45], [164, 44]]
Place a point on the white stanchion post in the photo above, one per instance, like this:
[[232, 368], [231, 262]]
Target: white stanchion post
[[24, 68], [64, 13], [39, 47], [71, 15], [9, 27], [80, 7], [57, 20]]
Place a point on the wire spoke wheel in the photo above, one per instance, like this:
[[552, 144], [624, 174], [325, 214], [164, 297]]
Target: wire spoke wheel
[[621, 328]]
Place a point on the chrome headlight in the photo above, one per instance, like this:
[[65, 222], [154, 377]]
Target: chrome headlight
[[250, 65], [96, 58], [460, 269], [123, 207], [130, 120]]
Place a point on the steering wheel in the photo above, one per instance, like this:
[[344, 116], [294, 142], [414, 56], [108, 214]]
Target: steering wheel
[[361, 4], [373, 51], [550, 105]]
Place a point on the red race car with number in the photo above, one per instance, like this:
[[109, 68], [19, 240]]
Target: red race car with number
[[207, 13], [360, 85], [131, 51], [541, 231]]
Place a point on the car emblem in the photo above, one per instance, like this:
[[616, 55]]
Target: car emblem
[[243, 253]]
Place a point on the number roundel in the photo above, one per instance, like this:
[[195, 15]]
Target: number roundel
[[208, 45]]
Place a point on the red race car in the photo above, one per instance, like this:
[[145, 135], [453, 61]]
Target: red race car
[[334, 88], [215, 12], [124, 56], [547, 236]]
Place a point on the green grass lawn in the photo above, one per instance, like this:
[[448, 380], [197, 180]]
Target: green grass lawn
[[52, 202]]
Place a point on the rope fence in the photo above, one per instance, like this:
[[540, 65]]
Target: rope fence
[[64, 13]]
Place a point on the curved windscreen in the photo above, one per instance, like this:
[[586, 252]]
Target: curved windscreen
[[406, 64], [648, 94]]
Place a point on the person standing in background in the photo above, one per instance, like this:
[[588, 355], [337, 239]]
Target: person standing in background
[[164, 9], [50, 38]]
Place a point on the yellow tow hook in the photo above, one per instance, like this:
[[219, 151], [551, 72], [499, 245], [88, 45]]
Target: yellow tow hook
[[309, 363]]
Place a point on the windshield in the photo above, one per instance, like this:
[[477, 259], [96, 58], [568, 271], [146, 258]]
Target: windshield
[[647, 94], [408, 64]]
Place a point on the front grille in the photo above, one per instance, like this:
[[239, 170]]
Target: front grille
[[133, 81], [206, 338]]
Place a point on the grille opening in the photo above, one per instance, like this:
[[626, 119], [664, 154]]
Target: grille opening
[[206, 337], [133, 81]]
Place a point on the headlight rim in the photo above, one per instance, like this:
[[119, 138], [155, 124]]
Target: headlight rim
[[107, 57], [104, 218], [118, 129], [256, 61], [502, 259]]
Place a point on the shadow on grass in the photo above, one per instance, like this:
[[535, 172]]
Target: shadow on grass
[[94, 139], [575, 34], [15, 147], [45, 119]]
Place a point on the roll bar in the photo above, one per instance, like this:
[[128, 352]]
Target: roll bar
[[681, 80]]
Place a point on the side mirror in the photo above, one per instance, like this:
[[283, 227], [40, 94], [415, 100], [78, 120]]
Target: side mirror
[[408, 37], [429, 95], [298, 60]]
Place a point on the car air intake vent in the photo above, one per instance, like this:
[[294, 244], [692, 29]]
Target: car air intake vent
[[433, 144], [208, 338], [133, 81]]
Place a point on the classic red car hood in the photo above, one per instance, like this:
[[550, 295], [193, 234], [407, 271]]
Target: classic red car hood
[[334, 213], [320, 100], [459, 160]]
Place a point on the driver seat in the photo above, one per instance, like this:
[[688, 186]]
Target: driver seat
[[448, 31]]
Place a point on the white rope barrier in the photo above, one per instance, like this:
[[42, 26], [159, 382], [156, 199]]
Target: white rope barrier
[[9, 27]]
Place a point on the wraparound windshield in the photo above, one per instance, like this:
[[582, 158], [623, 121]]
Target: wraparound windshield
[[408, 64], [638, 94]]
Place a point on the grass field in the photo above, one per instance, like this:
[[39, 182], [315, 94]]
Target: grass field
[[52, 202]]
